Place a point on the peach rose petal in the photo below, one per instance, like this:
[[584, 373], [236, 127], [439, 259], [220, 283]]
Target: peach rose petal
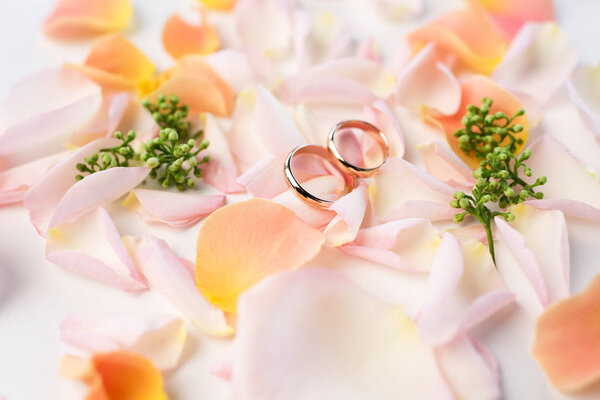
[[419, 195], [538, 241], [236, 248], [95, 190], [115, 376], [339, 340], [584, 89], [173, 277], [415, 87], [44, 196], [92, 247], [220, 5], [570, 187], [350, 210], [158, 337], [511, 15], [83, 18], [42, 112], [406, 244], [173, 209], [16, 181], [181, 38], [445, 165], [537, 63], [473, 90], [466, 34], [464, 290], [566, 343]]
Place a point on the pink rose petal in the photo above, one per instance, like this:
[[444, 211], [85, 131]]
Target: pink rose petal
[[350, 210], [264, 25], [92, 246], [441, 162], [584, 89], [234, 67]]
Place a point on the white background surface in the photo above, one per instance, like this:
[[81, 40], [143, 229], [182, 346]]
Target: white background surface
[[35, 295]]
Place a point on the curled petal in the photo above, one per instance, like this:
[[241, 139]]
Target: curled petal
[[511, 15], [44, 196], [464, 290], [567, 341], [538, 241], [350, 210], [236, 248], [426, 81], [419, 195], [158, 337], [115, 376], [82, 18], [357, 347], [174, 278], [445, 165], [264, 179], [538, 61], [221, 170], [174, 209], [92, 246], [181, 38], [96, 190], [570, 186], [42, 113], [584, 89], [467, 34], [473, 90], [381, 115]]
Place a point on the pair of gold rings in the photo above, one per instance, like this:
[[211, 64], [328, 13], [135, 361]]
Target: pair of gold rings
[[331, 154]]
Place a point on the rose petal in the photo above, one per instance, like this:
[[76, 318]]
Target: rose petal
[[96, 190], [329, 337], [567, 179], [116, 376], [174, 209], [264, 25], [169, 274], [81, 18], [381, 115], [510, 15], [113, 108], [538, 61], [473, 90], [42, 112], [234, 68], [158, 337], [350, 210], [406, 244], [223, 5], [538, 241], [400, 9], [181, 38], [584, 89], [415, 87], [444, 164], [44, 196], [566, 340], [92, 246], [464, 290], [418, 195], [264, 179], [16, 181], [466, 34], [236, 248]]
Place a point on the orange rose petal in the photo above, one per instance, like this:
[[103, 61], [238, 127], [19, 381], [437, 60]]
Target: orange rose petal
[[510, 15], [80, 18], [196, 84], [473, 90], [116, 376], [242, 243], [567, 340], [181, 38], [467, 34], [223, 5]]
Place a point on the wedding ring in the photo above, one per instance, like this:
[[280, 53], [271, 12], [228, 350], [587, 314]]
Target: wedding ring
[[368, 129], [309, 149]]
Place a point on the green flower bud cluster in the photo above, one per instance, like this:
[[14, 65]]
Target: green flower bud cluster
[[172, 162], [118, 156], [498, 185], [484, 131], [169, 114]]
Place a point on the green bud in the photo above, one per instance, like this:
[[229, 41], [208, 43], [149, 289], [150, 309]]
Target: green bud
[[114, 163], [130, 135], [78, 177], [191, 143], [517, 128], [526, 154], [509, 217], [174, 99], [520, 112], [464, 203], [471, 108], [189, 182], [152, 162], [205, 159], [503, 202], [523, 194], [184, 148], [458, 218], [105, 158], [454, 204], [503, 174], [157, 116], [458, 132], [509, 192], [173, 136], [464, 139], [477, 173], [486, 198], [527, 171], [161, 98], [541, 180], [539, 195], [119, 135], [192, 161], [458, 195], [480, 182], [146, 103], [489, 119], [499, 115]]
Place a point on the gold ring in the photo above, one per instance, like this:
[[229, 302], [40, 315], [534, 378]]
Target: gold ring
[[349, 180], [369, 129]]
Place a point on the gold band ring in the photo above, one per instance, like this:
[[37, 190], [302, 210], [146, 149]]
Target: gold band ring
[[310, 149], [370, 130]]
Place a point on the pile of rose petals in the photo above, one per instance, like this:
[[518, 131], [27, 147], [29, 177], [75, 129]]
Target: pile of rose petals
[[273, 274]]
